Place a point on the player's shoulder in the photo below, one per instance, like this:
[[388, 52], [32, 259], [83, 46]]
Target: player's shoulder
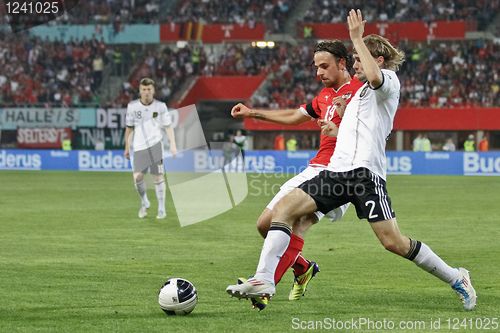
[[390, 81], [159, 103], [349, 89], [325, 93], [389, 74], [133, 103]]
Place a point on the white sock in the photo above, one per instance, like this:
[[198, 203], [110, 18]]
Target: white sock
[[160, 189], [425, 258], [141, 189], [275, 245]]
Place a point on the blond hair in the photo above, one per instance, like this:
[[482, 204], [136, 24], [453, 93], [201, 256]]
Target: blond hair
[[147, 82], [380, 46]]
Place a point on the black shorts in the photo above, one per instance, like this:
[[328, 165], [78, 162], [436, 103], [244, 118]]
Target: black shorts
[[361, 187]]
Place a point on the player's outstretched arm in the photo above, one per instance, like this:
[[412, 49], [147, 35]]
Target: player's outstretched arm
[[370, 65], [284, 116]]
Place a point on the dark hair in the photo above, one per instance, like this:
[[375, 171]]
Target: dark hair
[[147, 82], [336, 48]]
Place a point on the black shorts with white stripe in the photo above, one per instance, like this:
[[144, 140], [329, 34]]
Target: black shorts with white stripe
[[364, 189]]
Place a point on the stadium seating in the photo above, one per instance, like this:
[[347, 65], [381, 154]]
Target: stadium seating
[[37, 72], [335, 11], [113, 12], [436, 74], [274, 13]]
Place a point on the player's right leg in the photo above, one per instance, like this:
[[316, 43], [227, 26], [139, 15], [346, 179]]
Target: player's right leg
[[264, 222], [140, 186], [375, 205], [289, 209], [293, 254], [140, 164]]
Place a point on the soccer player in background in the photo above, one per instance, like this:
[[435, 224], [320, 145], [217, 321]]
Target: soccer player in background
[[145, 120], [356, 173], [333, 66]]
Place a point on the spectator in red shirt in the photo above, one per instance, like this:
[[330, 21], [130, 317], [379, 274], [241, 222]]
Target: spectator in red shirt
[[484, 145]]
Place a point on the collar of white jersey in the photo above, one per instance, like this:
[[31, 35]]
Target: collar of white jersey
[[146, 104]]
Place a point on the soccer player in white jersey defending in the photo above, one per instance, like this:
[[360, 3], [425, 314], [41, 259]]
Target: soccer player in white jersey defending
[[333, 64], [145, 120], [356, 173]]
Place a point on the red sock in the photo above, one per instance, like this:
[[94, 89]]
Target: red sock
[[289, 257], [300, 265]]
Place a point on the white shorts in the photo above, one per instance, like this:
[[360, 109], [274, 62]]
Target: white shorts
[[310, 172]]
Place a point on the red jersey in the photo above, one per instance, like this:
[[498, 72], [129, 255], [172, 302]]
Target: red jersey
[[321, 107]]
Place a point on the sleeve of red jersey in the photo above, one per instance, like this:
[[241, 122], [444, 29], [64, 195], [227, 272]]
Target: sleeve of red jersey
[[311, 109]]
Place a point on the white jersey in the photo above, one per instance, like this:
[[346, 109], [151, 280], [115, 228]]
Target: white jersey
[[148, 121], [366, 124]]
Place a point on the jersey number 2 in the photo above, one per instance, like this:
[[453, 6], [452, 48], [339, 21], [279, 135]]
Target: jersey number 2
[[372, 207]]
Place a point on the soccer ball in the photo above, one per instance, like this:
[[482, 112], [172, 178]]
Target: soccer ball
[[177, 297]]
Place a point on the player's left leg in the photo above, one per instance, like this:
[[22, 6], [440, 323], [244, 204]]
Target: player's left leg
[[160, 188], [303, 269], [458, 278], [375, 205]]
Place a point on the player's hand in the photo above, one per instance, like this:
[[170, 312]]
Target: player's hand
[[356, 24], [328, 128], [240, 111], [340, 105], [173, 150], [126, 153]]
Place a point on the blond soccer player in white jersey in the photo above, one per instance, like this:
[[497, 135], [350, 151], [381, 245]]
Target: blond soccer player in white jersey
[[146, 119], [356, 174]]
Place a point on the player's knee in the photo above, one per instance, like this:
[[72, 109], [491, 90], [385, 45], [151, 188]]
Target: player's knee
[[159, 178], [138, 177], [394, 246], [263, 226]]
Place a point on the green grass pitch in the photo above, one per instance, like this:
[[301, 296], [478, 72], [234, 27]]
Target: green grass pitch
[[75, 258]]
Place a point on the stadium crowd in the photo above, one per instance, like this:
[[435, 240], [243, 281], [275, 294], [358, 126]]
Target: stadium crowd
[[335, 11], [35, 71], [115, 12], [452, 74], [170, 67], [273, 12], [442, 74], [244, 12]]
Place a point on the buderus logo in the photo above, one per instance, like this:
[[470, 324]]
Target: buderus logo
[[206, 162], [399, 165], [476, 164], [88, 161], [20, 160]]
